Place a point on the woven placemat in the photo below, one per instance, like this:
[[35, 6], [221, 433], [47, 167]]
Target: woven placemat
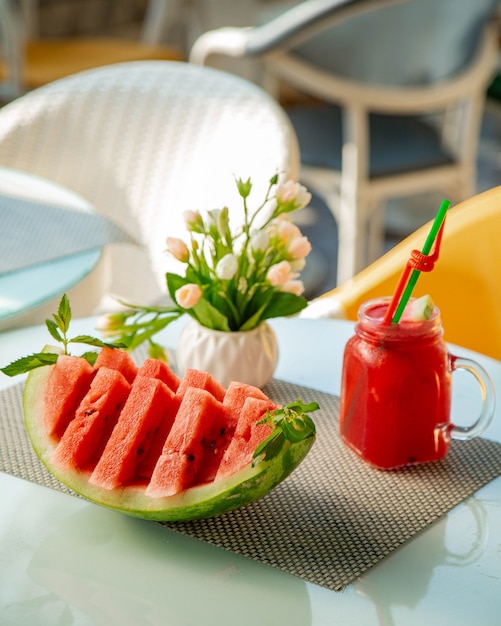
[[333, 518]]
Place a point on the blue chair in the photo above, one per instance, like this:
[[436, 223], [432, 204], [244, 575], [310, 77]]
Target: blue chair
[[398, 92]]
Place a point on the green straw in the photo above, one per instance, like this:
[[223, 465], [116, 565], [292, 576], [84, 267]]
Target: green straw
[[437, 223]]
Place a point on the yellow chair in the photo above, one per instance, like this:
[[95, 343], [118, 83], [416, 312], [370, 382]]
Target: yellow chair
[[465, 284]]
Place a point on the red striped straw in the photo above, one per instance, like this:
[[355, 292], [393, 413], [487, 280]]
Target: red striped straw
[[418, 262]]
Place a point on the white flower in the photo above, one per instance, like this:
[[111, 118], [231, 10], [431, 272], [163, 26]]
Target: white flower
[[259, 241], [227, 267], [178, 249], [188, 295]]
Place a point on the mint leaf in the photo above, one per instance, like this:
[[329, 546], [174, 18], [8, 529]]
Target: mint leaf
[[270, 447], [28, 363], [58, 328], [63, 316], [97, 343], [291, 424], [90, 357], [53, 330]]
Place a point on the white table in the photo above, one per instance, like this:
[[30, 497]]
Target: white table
[[25, 294], [63, 560]]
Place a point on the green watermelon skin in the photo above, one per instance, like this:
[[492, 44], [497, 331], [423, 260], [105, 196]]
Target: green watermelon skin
[[201, 501]]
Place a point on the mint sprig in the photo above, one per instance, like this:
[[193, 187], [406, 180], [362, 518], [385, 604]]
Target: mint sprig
[[290, 422], [58, 328]]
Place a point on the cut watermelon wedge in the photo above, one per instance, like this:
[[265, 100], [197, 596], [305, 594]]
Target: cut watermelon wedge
[[127, 487]]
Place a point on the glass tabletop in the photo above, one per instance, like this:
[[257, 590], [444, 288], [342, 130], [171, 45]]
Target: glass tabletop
[[64, 560], [25, 290]]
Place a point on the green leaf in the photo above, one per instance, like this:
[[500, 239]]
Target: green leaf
[[174, 282], [53, 330], [28, 363], [92, 341], [64, 314], [291, 424], [209, 316], [299, 428], [270, 447], [284, 304], [90, 357]]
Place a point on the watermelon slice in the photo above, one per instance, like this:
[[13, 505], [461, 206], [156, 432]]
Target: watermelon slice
[[154, 368], [153, 453], [70, 380], [201, 380], [149, 411], [117, 360], [192, 445], [248, 434], [83, 441]]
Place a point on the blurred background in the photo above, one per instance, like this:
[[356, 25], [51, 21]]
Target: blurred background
[[135, 21]]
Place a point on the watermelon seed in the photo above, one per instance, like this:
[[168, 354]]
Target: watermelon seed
[[191, 457]]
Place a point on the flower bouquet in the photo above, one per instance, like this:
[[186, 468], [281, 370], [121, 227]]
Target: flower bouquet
[[233, 280]]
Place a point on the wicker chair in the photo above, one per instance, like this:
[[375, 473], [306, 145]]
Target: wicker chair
[[144, 141]]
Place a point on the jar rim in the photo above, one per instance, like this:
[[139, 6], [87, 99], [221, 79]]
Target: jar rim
[[403, 329]]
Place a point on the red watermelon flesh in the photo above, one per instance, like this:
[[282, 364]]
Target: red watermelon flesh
[[248, 434], [86, 435], [150, 409], [117, 360], [192, 438], [70, 379], [201, 380], [154, 368], [135, 464], [235, 396]]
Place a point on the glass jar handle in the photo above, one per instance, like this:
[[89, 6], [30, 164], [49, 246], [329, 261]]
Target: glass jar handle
[[488, 398]]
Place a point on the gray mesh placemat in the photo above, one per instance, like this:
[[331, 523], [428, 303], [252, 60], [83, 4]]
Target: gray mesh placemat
[[36, 232], [333, 518]]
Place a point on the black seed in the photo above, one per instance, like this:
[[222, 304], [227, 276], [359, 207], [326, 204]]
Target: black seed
[[191, 457]]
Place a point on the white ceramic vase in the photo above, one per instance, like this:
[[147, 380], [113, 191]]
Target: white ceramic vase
[[249, 356]]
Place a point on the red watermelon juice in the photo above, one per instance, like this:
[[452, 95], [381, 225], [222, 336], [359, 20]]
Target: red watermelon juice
[[396, 389]]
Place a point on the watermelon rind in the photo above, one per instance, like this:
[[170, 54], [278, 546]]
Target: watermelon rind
[[202, 501]]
